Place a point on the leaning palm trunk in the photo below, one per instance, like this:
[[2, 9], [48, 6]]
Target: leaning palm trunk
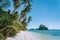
[[20, 18], [14, 10]]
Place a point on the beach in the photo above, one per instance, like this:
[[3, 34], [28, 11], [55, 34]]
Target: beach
[[28, 35], [23, 35]]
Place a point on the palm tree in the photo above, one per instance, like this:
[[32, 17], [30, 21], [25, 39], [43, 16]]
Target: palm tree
[[16, 5], [9, 22], [29, 19], [24, 12]]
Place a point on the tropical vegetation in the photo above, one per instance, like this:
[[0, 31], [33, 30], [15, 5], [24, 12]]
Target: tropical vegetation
[[12, 21]]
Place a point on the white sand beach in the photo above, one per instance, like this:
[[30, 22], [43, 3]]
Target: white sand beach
[[26, 35], [23, 35]]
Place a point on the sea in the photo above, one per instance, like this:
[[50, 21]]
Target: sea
[[46, 34]]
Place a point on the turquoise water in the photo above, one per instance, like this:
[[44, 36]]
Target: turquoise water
[[48, 32]]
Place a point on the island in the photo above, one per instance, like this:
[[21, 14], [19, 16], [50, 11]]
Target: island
[[42, 27]]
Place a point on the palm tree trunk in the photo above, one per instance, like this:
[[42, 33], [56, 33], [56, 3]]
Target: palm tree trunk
[[14, 10], [20, 18]]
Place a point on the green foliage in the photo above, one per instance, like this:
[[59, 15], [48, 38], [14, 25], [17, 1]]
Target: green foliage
[[43, 27], [9, 21], [29, 19], [9, 31], [4, 20], [14, 16], [17, 25], [8, 25], [1, 37], [16, 3]]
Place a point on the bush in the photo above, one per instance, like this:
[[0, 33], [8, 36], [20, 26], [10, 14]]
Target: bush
[[1, 37], [9, 32], [7, 25]]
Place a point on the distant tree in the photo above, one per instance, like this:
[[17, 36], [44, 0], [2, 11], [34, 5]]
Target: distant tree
[[43, 27]]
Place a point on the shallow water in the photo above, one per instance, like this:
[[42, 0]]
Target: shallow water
[[46, 34]]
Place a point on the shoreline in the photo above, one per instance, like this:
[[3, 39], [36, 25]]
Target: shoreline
[[28, 35]]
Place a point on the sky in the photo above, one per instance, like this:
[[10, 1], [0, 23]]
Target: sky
[[46, 12]]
